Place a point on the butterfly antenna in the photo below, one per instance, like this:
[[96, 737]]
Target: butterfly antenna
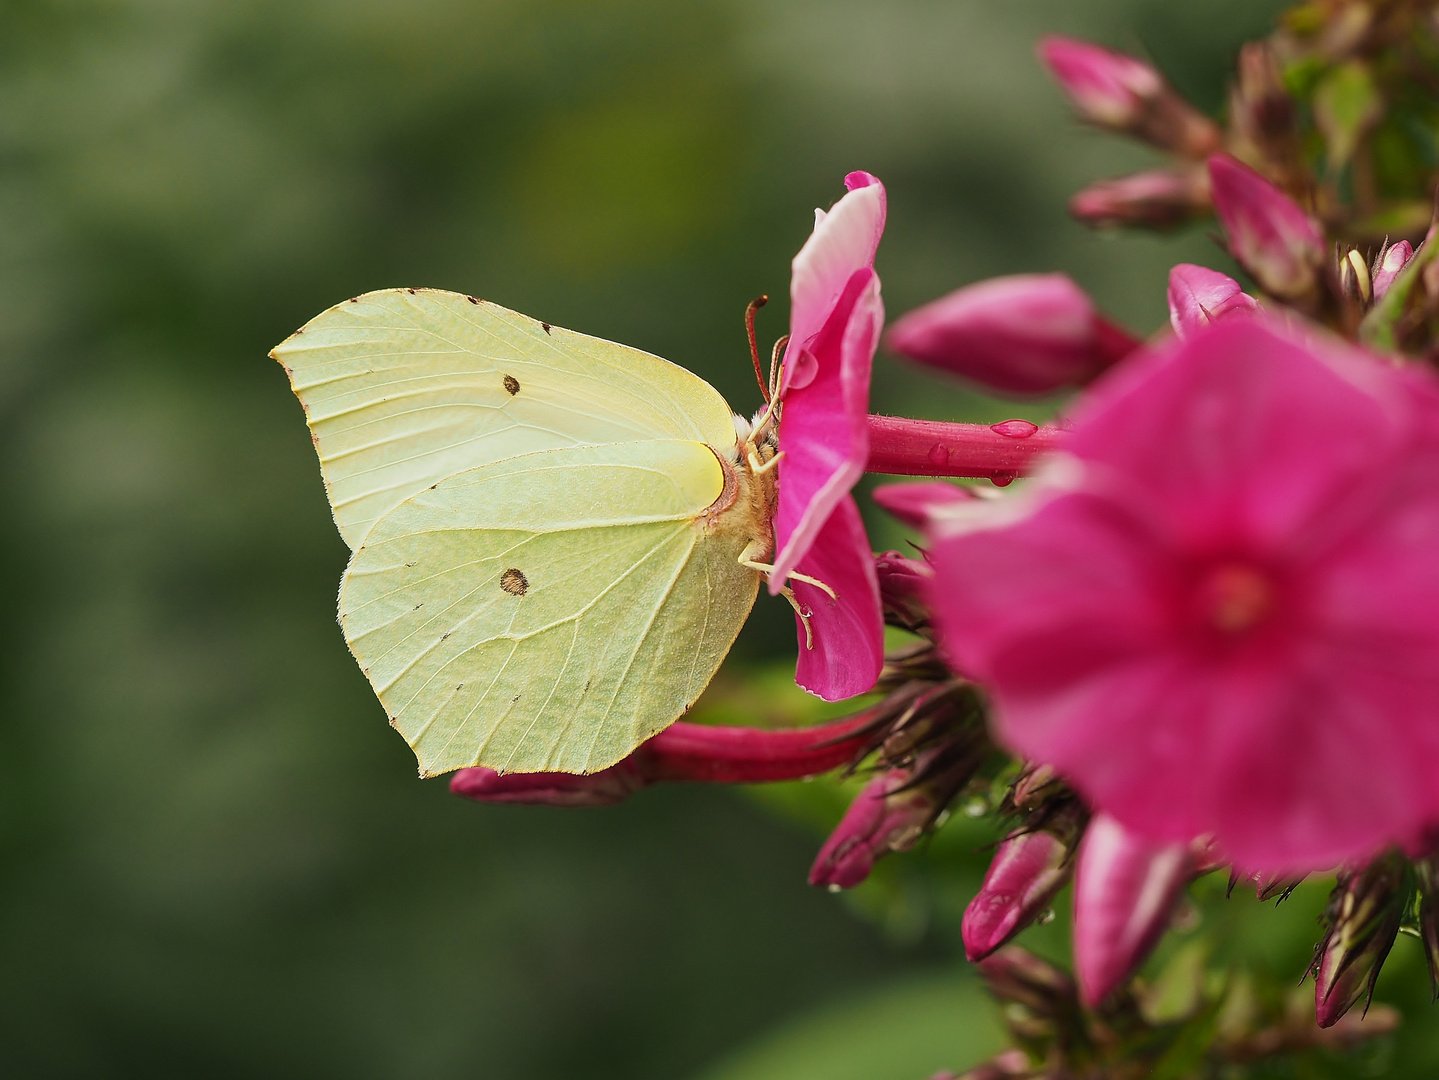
[[753, 306], [774, 358]]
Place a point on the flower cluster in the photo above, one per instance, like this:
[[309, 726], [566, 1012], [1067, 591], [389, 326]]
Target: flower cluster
[[1204, 632]]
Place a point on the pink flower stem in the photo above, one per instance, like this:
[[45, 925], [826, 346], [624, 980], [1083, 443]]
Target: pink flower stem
[[997, 452]]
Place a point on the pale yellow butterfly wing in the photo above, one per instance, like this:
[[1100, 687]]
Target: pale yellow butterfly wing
[[548, 612], [405, 387]]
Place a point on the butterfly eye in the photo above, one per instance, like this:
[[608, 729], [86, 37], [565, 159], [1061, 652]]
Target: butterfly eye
[[512, 384], [514, 582]]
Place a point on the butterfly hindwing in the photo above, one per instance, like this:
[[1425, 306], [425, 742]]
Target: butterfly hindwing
[[405, 387], [551, 611]]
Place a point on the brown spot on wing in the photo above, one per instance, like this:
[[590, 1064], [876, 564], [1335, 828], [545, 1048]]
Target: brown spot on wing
[[546, 326], [512, 384], [514, 582]]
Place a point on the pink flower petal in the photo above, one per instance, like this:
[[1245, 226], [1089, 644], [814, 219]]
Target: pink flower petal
[[1199, 296], [1268, 233], [915, 503], [848, 650]]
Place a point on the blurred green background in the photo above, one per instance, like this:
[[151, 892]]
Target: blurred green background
[[215, 858]]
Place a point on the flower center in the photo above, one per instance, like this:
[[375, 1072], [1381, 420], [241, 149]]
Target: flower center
[[1233, 597]]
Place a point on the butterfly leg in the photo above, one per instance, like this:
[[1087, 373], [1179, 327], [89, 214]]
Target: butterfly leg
[[758, 467]]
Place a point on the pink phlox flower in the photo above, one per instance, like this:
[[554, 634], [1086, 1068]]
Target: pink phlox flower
[[1225, 619], [1199, 296], [835, 319], [1024, 334], [914, 503]]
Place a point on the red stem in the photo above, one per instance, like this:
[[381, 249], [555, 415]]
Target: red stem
[[935, 448]]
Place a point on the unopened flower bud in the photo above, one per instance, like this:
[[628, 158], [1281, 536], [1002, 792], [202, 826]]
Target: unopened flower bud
[[902, 586], [1118, 92], [1155, 199], [1363, 917], [1027, 870], [1386, 268], [1268, 233], [700, 753], [889, 814], [915, 503], [1125, 890], [1024, 334], [1033, 785], [604, 788], [1199, 296]]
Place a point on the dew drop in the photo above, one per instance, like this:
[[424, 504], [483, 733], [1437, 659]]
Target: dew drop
[[1002, 479], [939, 454], [1014, 429], [976, 807], [834, 888], [1045, 917]]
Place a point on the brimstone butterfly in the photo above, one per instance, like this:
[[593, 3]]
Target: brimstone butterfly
[[555, 538]]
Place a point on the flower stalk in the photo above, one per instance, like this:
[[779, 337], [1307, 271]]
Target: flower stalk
[[998, 452]]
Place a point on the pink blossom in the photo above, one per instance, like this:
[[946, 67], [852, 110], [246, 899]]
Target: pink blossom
[[698, 753], [1125, 888], [1394, 259], [1221, 616], [1268, 233], [916, 502], [835, 320], [1156, 198], [1199, 296], [1024, 334]]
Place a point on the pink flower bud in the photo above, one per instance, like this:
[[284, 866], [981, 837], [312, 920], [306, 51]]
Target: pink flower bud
[[699, 753], [1115, 91], [1025, 873], [1125, 889], [1268, 233], [1011, 1064], [887, 815], [1105, 88], [1156, 199], [902, 586], [1199, 296], [1394, 259], [604, 788], [1023, 334], [1364, 914], [914, 504]]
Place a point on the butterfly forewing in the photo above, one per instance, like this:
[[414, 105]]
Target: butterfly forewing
[[548, 612], [405, 387]]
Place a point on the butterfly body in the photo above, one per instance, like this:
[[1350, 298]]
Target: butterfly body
[[549, 532]]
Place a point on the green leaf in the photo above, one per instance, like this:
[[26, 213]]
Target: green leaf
[[906, 1031], [1346, 105]]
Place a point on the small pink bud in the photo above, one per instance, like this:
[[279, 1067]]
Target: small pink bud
[[1156, 199], [1023, 877], [1199, 296], [1115, 91], [903, 584], [887, 815], [1105, 88], [1125, 889], [1011, 1064], [697, 753], [1395, 258], [915, 504], [1268, 233], [1024, 334], [603, 788]]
